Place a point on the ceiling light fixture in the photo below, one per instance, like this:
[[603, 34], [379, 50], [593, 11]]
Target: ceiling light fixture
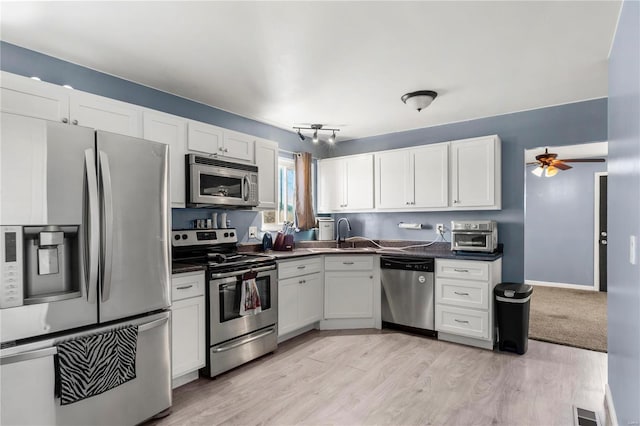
[[538, 171], [420, 99], [317, 128], [551, 171]]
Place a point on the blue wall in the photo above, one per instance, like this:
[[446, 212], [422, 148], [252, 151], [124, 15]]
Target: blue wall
[[559, 225], [570, 124], [624, 216]]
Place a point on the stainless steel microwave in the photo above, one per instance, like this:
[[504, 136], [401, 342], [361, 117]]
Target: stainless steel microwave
[[478, 235], [212, 182]]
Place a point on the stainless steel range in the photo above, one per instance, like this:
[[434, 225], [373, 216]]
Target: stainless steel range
[[233, 337]]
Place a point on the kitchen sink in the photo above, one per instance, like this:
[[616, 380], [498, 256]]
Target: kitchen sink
[[334, 249]]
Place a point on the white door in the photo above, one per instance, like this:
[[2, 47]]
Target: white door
[[473, 172], [288, 305], [310, 301], [391, 176], [187, 335], [267, 162], [359, 182], [330, 185], [204, 137], [430, 172], [105, 114], [348, 294], [24, 96], [238, 146], [170, 130]]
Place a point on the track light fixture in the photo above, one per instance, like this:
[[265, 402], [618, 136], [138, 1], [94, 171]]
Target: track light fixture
[[316, 128]]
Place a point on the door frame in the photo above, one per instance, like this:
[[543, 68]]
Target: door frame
[[596, 229]]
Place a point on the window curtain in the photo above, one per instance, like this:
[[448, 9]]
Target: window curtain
[[305, 217]]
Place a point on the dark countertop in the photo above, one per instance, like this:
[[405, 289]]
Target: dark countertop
[[179, 268], [395, 248]]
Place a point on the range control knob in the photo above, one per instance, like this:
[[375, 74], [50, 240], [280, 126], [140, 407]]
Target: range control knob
[[177, 237], [226, 234], [232, 234], [184, 236]]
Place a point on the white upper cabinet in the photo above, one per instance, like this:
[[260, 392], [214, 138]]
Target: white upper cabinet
[[267, 162], [475, 174], [105, 114], [170, 130], [24, 96], [415, 178], [215, 140], [238, 145], [204, 137], [345, 183]]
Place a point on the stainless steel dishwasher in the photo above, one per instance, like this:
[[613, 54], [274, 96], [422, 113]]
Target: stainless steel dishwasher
[[408, 293]]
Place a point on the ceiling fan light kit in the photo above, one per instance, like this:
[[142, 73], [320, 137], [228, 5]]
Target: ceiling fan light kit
[[550, 164], [317, 127], [420, 99]]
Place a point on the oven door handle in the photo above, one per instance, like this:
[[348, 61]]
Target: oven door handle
[[244, 341], [241, 272]]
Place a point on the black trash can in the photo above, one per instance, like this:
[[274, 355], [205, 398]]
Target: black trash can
[[512, 313]]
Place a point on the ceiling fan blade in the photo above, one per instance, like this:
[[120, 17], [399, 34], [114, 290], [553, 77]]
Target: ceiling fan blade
[[584, 160], [559, 164], [535, 163]]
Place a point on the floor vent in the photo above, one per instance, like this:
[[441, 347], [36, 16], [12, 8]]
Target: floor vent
[[582, 417]]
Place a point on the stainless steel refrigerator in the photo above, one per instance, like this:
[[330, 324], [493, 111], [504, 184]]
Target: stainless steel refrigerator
[[84, 227]]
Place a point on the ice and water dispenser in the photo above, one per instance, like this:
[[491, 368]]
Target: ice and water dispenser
[[40, 264]]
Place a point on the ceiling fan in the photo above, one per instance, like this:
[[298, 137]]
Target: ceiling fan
[[549, 163]]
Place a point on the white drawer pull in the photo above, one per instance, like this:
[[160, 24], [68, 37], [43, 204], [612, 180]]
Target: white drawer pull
[[461, 321], [461, 270], [459, 293], [302, 281], [302, 266], [184, 287], [347, 263]]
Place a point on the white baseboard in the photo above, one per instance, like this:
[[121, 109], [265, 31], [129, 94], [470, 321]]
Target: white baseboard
[[611, 410], [561, 285], [297, 332], [343, 324], [184, 379]]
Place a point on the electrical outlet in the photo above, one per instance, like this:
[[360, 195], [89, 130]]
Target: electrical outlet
[[253, 232], [440, 228]]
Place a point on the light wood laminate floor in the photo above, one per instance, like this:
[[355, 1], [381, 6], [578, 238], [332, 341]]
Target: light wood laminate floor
[[373, 377]]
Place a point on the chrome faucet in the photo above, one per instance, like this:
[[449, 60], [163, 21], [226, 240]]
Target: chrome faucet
[[339, 237]]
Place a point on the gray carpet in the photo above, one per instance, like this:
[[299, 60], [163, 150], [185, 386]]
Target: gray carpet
[[569, 317]]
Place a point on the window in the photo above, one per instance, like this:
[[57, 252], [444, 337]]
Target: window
[[286, 212]]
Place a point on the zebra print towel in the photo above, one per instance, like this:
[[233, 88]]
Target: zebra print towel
[[91, 365]]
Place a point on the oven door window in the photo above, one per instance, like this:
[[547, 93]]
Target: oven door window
[[230, 297], [471, 240], [220, 186]]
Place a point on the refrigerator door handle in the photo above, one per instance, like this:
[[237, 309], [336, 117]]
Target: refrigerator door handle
[[92, 227], [152, 324], [107, 225], [25, 356]]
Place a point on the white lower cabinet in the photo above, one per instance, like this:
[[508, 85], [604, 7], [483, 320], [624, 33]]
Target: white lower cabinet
[[351, 292], [299, 293], [464, 305], [187, 326]]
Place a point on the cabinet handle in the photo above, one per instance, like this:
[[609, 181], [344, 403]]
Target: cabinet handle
[[302, 266], [461, 321], [302, 281], [65, 120], [184, 287], [221, 149], [226, 150], [459, 293], [347, 263], [407, 203], [461, 270], [75, 122], [370, 277]]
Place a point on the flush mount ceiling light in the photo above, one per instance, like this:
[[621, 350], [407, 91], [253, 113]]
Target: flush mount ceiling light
[[420, 99], [316, 128]]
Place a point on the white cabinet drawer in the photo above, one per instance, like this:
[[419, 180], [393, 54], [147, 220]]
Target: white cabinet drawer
[[462, 269], [463, 322], [348, 263], [463, 293], [189, 284], [295, 268]]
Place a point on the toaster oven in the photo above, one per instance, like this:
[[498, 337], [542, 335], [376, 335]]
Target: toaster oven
[[477, 235]]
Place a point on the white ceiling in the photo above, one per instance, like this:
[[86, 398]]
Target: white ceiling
[[343, 64]]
